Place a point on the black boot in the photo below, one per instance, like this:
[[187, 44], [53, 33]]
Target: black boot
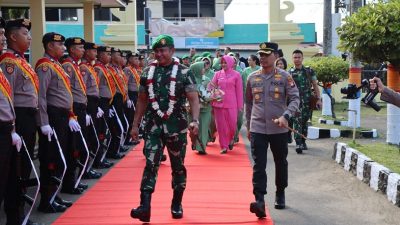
[[143, 211], [280, 200], [176, 205], [258, 207], [299, 148]]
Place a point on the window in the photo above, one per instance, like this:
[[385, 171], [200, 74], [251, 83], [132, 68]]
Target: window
[[104, 14], [188, 8], [52, 14], [140, 4], [9, 13], [61, 14], [69, 14]]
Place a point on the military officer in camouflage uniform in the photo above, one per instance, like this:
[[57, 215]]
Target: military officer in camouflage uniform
[[164, 88], [305, 79], [267, 115]]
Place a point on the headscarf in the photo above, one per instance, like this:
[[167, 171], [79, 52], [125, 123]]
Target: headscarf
[[196, 69], [229, 63]]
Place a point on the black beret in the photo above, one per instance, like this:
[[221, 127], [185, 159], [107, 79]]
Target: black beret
[[18, 23], [89, 45], [114, 49], [131, 54], [2, 23], [74, 41], [103, 49], [52, 37]]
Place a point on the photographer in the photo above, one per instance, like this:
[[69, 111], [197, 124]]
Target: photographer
[[387, 94]]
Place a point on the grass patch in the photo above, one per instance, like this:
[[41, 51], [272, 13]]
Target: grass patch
[[382, 153]]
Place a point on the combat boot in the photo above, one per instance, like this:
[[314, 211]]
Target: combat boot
[[280, 200], [143, 211], [176, 205], [258, 207]]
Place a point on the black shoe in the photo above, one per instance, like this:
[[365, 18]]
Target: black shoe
[[83, 186], [72, 191], [236, 139], [231, 145], [61, 201], [107, 164], [299, 150], [280, 201], [193, 147], [51, 208], [223, 151], [124, 148], [202, 152], [115, 156], [258, 208], [163, 158], [92, 174], [176, 211], [141, 213]]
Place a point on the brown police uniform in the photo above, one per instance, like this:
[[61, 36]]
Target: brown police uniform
[[266, 99]]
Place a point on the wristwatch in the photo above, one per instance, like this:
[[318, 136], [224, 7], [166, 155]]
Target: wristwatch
[[286, 116]]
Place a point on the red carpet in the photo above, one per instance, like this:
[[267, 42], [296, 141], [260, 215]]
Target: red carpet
[[219, 191]]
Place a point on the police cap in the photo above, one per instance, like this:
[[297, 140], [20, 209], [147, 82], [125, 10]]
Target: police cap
[[268, 48]]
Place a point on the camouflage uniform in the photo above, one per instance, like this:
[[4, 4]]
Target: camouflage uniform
[[171, 132], [303, 83]]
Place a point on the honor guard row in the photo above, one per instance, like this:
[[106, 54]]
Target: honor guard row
[[81, 104]]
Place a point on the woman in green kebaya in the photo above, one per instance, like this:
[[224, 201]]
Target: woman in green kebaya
[[202, 81]]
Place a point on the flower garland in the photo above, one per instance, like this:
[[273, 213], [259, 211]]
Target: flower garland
[[171, 93]]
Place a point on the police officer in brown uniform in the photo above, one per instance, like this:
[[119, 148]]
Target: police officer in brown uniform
[[133, 76], [55, 112], [106, 93], [24, 85], [267, 116], [117, 104], [92, 91], [10, 141], [70, 64]]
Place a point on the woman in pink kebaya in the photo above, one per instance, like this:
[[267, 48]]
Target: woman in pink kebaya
[[227, 108]]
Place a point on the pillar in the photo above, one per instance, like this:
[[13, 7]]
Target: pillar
[[88, 21], [37, 8]]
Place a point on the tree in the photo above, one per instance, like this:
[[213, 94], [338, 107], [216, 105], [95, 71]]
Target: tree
[[329, 70], [372, 33]]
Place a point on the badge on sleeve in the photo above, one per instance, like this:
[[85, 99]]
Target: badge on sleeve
[[291, 81], [10, 68]]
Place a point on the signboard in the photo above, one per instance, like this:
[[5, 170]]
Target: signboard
[[205, 43]]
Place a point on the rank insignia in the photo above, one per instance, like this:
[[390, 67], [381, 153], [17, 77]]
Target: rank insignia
[[163, 42]]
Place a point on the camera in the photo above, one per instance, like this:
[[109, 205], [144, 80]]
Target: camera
[[351, 92]]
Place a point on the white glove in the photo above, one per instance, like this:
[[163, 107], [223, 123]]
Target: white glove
[[74, 125], [111, 113], [16, 140], [100, 112], [87, 120], [46, 130], [129, 103]]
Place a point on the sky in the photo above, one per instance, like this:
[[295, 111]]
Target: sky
[[256, 12]]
